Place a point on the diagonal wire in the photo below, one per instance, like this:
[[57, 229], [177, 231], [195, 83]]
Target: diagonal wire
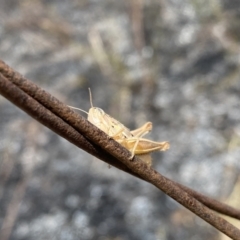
[[14, 81], [57, 107], [50, 120]]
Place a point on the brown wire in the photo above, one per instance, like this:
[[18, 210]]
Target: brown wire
[[13, 85], [56, 124], [56, 106]]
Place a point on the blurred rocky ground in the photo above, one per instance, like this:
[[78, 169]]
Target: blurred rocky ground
[[175, 63]]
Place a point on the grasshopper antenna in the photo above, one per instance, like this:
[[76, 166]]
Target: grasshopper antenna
[[78, 109], [90, 95]]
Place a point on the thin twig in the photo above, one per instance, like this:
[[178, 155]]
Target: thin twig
[[99, 138], [12, 209]]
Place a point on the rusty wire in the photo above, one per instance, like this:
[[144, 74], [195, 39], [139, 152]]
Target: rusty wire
[[56, 124], [79, 140], [62, 120]]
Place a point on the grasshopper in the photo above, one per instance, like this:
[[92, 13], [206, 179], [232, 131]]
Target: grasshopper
[[132, 140]]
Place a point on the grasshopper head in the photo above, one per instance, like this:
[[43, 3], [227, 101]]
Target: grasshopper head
[[95, 115], [106, 123]]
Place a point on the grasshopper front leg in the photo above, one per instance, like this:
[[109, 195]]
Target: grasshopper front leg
[[143, 130]]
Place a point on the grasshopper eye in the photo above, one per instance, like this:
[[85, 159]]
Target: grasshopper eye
[[124, 135]]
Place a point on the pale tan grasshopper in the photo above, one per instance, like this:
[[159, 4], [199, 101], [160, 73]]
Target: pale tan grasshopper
[[132, 140]]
